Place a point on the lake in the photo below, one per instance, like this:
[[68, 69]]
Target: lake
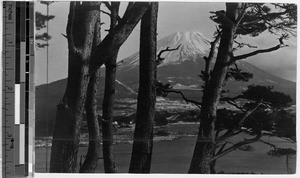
[[174, 156]]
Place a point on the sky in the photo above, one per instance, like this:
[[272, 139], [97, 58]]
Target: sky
[[172, 17]]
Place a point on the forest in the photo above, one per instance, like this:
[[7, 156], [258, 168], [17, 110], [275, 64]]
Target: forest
[[167, 91]]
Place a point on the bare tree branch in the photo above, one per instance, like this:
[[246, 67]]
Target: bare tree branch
[[160, 59], [197, 103], [104, 12], [64, 35], [233, 98], [221, 149], [241, 14], [236, 146], [227, 136], [243, 56], [119, 34], [257, 52], [241, 45], [231, 132], [268, 143], [233, 103], [107, 5], [248, 113]]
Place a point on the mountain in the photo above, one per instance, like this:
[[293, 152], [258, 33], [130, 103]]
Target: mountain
[[180, 68], [45, 107]]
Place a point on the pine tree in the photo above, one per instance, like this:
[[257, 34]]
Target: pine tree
[[238, 19]]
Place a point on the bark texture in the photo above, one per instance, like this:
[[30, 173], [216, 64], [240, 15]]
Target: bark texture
[[118, 35], [107, 106], [211, 95], [80, 34], [107, 118], [94, 150], [143, 135]]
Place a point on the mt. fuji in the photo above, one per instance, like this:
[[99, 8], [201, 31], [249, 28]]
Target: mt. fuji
[[193, 47], [182, 67]]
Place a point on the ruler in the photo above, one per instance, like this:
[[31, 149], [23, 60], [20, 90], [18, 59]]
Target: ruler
[[18, 89]]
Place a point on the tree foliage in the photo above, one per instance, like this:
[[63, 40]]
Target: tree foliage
[[239, 19], [274, 98], [40, 24], [258, 17]]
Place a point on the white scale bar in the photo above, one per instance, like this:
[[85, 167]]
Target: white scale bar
[[17, 103]]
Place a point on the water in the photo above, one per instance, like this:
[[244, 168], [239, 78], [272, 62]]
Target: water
[[174, 157]]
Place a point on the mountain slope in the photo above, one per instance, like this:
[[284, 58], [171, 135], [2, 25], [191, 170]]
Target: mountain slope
[[180, 68]]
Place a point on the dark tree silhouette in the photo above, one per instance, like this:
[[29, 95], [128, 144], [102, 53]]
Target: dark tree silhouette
[[143, 134], [85, 60], [107, 106], [238, 19], [66, 133], [256, 116], [94, 150]]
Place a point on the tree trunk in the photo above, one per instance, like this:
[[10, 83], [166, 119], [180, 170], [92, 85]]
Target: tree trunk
[[107, 106], [143, 135], [212, 167], [107, 118], [117, 36], [81, 23], [206, 136], [94, 150]]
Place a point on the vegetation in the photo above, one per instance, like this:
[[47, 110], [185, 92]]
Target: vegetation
[[238, 19], [259, 109], [41, 22]]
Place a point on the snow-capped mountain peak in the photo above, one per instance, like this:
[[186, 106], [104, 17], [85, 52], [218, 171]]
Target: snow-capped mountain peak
[[193, 46]]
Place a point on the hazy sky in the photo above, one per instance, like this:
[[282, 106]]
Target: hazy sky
[[173, 17]]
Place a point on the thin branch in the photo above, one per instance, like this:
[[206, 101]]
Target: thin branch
[[104, 12], [241, 14], [233, 98], [238, 71], [230, 133], [64, 35], [107, 5], [120, 33], [160, 59], [197, 103], [227, 136], [257, 52], [268, 143], [241, 44], [233, 103], [115, 18], [236, 146], [248, 113], [243, 56], [111, 8], [222, 148]]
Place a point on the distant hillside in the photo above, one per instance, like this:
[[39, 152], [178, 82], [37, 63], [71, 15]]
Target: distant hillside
[[180, 68]]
